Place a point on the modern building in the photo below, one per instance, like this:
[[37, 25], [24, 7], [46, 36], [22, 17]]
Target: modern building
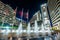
[[8, 22], [54, 10], [7, 16]]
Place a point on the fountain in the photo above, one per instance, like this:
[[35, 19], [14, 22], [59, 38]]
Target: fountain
[[49, 31], [36, 28], [43, 31], [20, 29], [28, 29]]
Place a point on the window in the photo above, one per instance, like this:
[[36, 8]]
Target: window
[[58, 3], [57, 18], [32, 24], [58, 6], [39, 23], [57, 0], [57, 21], [55, 14]]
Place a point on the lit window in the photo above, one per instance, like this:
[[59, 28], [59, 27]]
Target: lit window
[[45, 14]]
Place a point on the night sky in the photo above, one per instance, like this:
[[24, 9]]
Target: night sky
[[31, 5]]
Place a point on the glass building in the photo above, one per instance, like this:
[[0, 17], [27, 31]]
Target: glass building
[[54, 10]]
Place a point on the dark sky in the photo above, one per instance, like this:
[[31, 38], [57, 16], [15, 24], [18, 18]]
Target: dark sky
[[31, 5]]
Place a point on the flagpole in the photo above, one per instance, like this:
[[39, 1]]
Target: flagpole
[[27, 15], [28, 27], [14, 16], [20, 25], [21, 19], [22, 15]]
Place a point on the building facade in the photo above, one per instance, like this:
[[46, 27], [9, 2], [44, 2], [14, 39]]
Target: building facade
[[7, 16], [36, 17], [45, 16], [54, 10]]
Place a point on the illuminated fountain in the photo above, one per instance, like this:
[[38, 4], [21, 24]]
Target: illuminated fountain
[[20, 29], [42, 27], [28, 29], [36, 28], [49, 31], [42, 30]]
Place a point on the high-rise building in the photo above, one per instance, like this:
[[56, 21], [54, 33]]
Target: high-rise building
[[54, 10], [7, 16]]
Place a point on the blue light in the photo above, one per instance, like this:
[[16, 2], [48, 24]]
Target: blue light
[[7, 27]]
